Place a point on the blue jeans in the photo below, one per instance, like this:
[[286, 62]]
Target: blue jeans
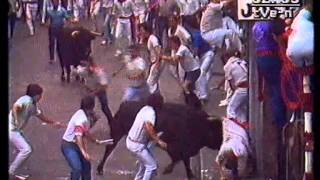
[[270, 68], [80, 167]]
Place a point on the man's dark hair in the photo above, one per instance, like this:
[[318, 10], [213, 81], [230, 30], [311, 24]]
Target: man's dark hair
[[155, 101], [146, 27], [87, 102], [33, 90], [175, 39]]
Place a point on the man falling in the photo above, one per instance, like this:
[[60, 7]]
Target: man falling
[[136, 68]]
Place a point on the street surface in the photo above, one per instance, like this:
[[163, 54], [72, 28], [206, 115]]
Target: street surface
[[28, 63]]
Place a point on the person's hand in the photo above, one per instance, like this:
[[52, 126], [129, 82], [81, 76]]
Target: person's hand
[[163, 145], [86, 156], [59, 125], [97, 141]]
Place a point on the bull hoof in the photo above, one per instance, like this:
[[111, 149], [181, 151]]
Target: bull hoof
[[99, 170], [168, 170]]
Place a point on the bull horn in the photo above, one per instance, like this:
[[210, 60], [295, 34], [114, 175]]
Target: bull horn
[[214, 118], [96, 33]]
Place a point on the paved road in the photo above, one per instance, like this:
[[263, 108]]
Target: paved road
[[29, 57]]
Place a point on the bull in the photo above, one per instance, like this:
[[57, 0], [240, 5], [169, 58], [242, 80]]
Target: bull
[[74, 46], [185, 129]]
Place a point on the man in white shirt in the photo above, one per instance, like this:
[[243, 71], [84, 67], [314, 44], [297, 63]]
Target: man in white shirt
[[211, 24], [22, 110], [140, 14], [236, 73], [136, 69], [157, 66], [107, 6], [31, 8], [96, 84], [94, 12], [141, 132], [234, 151], [123, 10], [188, 61]]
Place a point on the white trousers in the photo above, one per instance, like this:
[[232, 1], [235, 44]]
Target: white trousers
[[147, 163], [216, 37], [123, 32], [31, 13], [154, 77], [202, 82], [237, 107], [20, 143]]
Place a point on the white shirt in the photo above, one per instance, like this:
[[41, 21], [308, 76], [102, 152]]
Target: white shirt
[[212, 17], [188, 7], [28, 109], [124, 9], [136, 70], [152, 44], [236, 71], [137, 132], [140, 6], [188, 61], [107, 3], [78, 124], [181, 33]]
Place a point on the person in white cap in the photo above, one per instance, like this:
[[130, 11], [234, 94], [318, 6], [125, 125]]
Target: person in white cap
[[136, 71]]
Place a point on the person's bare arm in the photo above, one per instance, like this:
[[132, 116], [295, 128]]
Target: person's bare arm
[[152, 133], [15, 111], [56, 124], [82, 147], [170, 59], [91, 138]]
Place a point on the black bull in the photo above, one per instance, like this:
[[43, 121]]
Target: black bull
[[185, 130], [73, 48]]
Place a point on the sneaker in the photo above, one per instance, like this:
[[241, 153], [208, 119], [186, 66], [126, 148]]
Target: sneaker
[[223, 103], [118, 53]]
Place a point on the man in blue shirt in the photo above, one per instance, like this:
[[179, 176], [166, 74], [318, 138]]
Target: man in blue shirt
[[57, 17]]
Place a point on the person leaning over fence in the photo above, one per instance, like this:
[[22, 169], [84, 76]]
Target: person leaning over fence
[[25, 107]]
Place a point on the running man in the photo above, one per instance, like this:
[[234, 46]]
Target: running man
[[25, 107]]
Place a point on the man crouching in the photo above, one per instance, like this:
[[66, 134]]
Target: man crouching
[[141, 132]]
